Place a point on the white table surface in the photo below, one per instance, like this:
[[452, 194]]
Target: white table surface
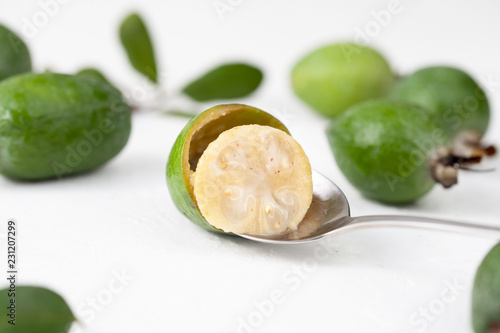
[[78, 234]]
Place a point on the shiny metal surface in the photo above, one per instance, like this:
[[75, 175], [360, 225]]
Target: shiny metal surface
[[329, 214]]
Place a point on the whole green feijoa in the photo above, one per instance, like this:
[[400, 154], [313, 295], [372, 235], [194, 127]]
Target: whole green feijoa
[[390, 151], [486, 294], [14, 55], [53, 125], [337, 76], [450, 95]]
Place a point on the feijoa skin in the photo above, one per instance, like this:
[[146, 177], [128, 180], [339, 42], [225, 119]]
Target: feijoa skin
[[486, 294], [385, 149], [54, 125], [193, 140], [337, 76], [14, 55], [452, 96]]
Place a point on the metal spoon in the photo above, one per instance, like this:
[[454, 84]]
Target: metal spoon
[[329, 215]]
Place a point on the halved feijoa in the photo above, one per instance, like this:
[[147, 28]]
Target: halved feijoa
[[235, 168]]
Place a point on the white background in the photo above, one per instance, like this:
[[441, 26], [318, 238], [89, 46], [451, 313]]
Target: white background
[[76, 235]]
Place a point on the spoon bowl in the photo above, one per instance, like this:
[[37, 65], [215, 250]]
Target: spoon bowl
[[329, 214]]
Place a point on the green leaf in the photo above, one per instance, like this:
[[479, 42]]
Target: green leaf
[[137, 43], [225, 82], [37, 310], [95, 75], [14, 54], [181, 113], [92, 73]]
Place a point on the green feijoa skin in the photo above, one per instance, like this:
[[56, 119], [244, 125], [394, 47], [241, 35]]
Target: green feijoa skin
[[486, 294], [450, 95], [391, 152], [192, 141], [337, 76], [14, 55], [54, 125]]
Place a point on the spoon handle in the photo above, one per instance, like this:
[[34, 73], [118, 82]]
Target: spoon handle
[[424, 222]]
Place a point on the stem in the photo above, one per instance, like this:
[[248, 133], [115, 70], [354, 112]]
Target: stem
[[466, 150], [468, 145], [494, 328]]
